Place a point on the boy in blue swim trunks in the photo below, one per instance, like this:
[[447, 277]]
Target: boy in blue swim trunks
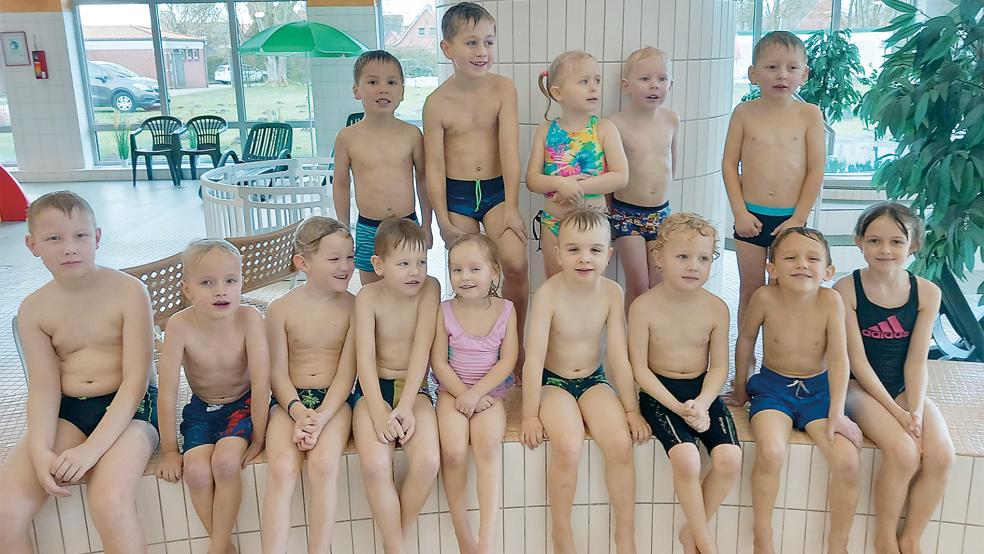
[[88, 345], [566, 386], [471, 133], [778, 144], [222, 346], [802, 382], [384, 177]]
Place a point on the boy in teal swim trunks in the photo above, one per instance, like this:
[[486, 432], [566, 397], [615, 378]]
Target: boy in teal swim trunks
[[222, 346], [395, 320], [384, 177], [802, 382], [566, 386], [778, 143], [91, 413], [471, 133]]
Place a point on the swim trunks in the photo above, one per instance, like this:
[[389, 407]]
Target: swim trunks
[[85, 413], [204, 423], [391, 390], [475, 198], [365, 240], [311, 398], [578, 385], [671, 429], [629, 219], [771, 218], [803, 400], [886, 333]]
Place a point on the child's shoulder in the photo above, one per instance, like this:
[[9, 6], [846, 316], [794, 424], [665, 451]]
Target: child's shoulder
[[929, 293], [845, 286], [249, 314], [829, 298]]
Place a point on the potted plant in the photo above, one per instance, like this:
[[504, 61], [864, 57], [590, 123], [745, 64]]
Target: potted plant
[[121, 136], [929, 96]]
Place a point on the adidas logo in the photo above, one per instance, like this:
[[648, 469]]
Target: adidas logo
[[888, 329]]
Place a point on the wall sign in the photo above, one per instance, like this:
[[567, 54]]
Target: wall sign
[[15, 51]]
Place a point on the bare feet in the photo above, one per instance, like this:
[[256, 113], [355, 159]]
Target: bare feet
[[467, 544], [909, 545], [625, 543], [687, 540], [563, 542], [763, 545]]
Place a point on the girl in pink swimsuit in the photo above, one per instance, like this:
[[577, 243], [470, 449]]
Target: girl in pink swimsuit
[[475, 349]]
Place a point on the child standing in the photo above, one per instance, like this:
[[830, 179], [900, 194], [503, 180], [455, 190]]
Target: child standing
[[222, 347], [88, 347], [395, 319], [571, 310], [778, 142], [384, 179], [681, 369], [312, 369], [649, 135], [471, 132], [475, 349], [803, 328], [577, 158], [888, 347]]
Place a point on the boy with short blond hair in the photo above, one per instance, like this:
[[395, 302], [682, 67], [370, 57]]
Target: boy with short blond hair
[[649, 135], [471, 133], [222, 346], [681, 369], [384, 178], [802, 382], [778, 143], [566, 385], [395, 320], [91, 409]]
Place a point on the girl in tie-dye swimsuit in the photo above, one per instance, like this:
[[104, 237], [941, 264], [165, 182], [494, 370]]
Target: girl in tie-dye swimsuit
[[576, 167]]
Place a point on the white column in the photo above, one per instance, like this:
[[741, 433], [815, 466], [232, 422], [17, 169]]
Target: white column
[[698, 35]]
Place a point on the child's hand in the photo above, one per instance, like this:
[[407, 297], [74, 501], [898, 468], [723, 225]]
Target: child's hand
[[255, 447], [841, 425], [911, 425], [429, 236], [449, 233], [513, 221], [696, 416], [569, 190], [638, 428], [467, 403], [73, 464], [531, 432], [170, 466], [787, 224], [42, 469], [484, 403], [747, 225], [407, 422], [738, 396]]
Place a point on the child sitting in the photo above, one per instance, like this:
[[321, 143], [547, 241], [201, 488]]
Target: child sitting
[[649, 135], [888, 347], [395, 320], [778, 143], [312, 369], [384, 180], [681, 369], [222, 346], [475, 348], [571, 310], [803, 328], [576, 158], [88, 344]]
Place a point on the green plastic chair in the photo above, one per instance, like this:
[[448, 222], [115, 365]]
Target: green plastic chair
[[161, 129]]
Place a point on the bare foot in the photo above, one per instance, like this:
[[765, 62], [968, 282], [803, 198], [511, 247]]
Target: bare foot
[[625, 544], [687, 540], [764, 545], [563, 543], [909, 545], [467, 545]]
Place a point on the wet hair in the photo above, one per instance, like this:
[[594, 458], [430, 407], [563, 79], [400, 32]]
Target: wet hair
[[489, 250], [64, 201], [641, 54], [811, 234], [585, 218], [684, 222], [460, 15], [197, 250], [395, 232], [378, 56], [778, 38], [910, 224], [558, 67], [308, 235]]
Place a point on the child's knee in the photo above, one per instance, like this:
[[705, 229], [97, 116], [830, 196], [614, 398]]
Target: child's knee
[[109, 504], [455, 455], [845, 465], [376, 468], [618, 449], [515, 267], [283, 469], [938, 460], [726, 460], [226, 468], [769, 456], [903, 456], [197, 474], [425, 463], [565, 453], [323, 469], [685, 462]]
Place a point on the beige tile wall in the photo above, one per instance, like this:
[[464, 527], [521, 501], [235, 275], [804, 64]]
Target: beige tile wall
[[64, 526]]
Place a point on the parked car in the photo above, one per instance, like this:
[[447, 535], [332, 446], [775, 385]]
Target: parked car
[[223, 74], [111, 84]]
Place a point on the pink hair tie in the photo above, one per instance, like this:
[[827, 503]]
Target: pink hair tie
[[544, 73]]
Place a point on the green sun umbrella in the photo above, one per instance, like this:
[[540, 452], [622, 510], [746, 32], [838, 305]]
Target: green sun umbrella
[[304, 38]]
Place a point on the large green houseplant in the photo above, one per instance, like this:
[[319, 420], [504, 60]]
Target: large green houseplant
[[929, 96]]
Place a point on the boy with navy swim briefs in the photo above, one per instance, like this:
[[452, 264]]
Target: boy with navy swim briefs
[[471, 132], [778, 143], [222, 346], [802, 382], [384, 177]]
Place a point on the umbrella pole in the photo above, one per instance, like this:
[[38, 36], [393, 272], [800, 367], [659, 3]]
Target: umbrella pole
[[312, 134]]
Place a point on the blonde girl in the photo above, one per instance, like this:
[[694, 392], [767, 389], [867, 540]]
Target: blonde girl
[[578, 157], [475, 349]]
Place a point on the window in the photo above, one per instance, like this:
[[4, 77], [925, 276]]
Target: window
[[419, 60], [7, 155], [421, 31]]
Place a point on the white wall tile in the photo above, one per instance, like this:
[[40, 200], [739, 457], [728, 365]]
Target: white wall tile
[[973, 539], [48, 529], [179, 547], [535, 483], [249, 543], [536, 538], [71, 515], [866, 473], [173, 510], [930, 537], [975, 506], [955, 499], [600, 526], [793, 531]]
